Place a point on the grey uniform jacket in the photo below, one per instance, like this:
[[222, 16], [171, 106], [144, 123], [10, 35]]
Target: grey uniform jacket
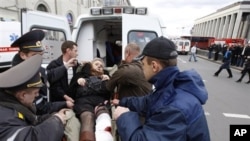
[[16, 123]]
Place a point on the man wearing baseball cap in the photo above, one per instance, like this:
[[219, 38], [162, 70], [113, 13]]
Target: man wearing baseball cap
[[173, 111], [19, 86]]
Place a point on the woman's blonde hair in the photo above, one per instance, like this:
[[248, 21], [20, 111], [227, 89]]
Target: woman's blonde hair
[[98, 59]]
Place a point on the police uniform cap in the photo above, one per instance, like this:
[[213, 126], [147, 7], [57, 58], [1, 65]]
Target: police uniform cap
[[24, 75], [30, 41], [161, 48]]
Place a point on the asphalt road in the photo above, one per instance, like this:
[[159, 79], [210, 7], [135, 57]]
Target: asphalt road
[[228, 102]]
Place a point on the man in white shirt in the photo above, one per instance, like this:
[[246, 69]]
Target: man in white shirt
[[193, 53]]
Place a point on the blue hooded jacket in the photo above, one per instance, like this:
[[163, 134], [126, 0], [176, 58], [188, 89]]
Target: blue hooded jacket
[[173, 111]]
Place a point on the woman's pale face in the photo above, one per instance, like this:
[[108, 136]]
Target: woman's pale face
[[98, 66]]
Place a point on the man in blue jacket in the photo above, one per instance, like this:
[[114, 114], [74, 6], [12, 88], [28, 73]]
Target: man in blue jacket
[[173, 111]]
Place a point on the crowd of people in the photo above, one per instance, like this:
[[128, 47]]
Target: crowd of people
[[153, 99], [233, 55]]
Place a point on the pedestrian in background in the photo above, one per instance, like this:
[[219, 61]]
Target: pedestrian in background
[[245, 70], [217, 50], [239, 49], [193, 52], [210, 50], [174, 94], [226, 63]]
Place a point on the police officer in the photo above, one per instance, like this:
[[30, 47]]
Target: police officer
[[30, 44], [18, 90]]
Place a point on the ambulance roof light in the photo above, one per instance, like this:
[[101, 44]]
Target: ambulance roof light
[[118, 10], [107, 11], [95, 11], [128, 10], [141, 11]]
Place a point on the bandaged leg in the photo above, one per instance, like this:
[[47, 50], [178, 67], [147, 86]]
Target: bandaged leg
[[103, 128]]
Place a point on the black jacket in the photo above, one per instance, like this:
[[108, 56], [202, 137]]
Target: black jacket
[[58, 79], [94, 86], [247, 64]]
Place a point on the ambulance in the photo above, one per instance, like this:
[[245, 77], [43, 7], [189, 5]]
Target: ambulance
[[182, 45], [103, 32], [9, 32]]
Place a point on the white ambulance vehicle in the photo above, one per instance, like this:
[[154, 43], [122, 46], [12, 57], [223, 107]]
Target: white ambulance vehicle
[[182, 45], [9, 32], [104, 32]]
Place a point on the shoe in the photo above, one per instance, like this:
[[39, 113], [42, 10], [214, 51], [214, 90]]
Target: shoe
[[216, 75], [229, 76], [247, 82], [238, 80], [87, 136]]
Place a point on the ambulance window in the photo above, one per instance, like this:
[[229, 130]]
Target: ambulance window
[[52, 44], [180, 43], [141, 37]]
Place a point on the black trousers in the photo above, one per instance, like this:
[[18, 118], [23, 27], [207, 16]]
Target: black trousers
[[244, 71], [228, 70]]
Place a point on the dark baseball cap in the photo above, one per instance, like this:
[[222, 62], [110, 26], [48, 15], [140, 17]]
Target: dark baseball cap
[[161, 48], [30, 41]]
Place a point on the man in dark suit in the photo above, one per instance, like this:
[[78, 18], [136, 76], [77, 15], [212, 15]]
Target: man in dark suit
[[59, 70]]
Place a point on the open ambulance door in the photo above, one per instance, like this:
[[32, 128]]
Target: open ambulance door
[[85, 39], [56, 30], [140, 29]]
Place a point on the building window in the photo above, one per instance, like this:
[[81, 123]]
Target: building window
[[42, 7]]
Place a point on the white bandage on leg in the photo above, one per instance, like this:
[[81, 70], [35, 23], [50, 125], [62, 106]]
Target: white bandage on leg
[[102, 128]]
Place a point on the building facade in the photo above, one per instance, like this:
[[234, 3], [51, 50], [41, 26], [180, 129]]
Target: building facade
[[231, 21], [10, 9]]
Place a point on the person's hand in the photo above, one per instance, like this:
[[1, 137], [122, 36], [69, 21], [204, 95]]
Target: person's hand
[[119, 111], [115, 102], [72, 62], [67, 98], [81, 81], [70, 104], [105, 77], [62, 115]]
